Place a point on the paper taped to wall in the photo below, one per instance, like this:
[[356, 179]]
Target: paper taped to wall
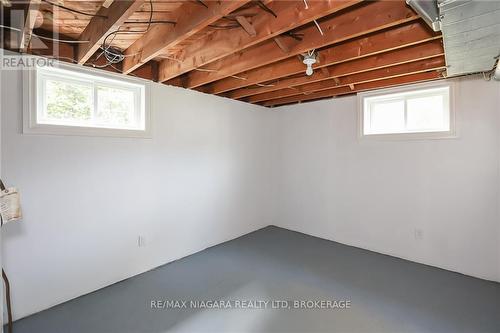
[[10, 205]]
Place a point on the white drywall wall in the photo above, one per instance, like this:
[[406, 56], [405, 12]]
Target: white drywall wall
[[216, 169], [2, 297], [374, 195], [498, 193], [203, 179]]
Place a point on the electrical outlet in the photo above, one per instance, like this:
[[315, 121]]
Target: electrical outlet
[[141, 241], [419, 234]]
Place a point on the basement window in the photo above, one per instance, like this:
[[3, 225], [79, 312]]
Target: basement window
[[77, 101], [409, 112]]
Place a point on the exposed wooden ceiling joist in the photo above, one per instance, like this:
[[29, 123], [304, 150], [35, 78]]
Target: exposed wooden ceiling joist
[[281, 45], [358, 48], [344, 90], [411, 53], [291, 14], [248, 50], [64, 51], [29, 24], [52, 49], [373, 16], [354, 79], [399, 37], [106, 21], [190, 20], [246, 25]]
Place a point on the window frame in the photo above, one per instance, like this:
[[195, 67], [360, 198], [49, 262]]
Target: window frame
[[409, 89], [32, 124]]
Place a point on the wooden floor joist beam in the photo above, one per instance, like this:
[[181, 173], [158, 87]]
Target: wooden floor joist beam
[[246, 25], [281, 45], [53, 50], [291, 14], [191, 18], [106, 21], [399, 37], [371, 17], [407, 79], [29, 24], [353, 80], [65, 52], [411, 53]]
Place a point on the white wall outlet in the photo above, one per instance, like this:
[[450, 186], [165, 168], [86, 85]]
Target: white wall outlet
[[419, 234], [141, 241]]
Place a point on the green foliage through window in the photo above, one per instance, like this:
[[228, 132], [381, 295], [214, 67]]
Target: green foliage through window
[[114, 105], [74, 99], [67, 101]]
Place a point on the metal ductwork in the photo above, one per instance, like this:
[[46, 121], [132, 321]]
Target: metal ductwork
[[471, 32], [428, 10], [471, 35]]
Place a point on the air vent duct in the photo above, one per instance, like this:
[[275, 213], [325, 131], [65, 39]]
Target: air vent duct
[[471, 35], [428, 10]]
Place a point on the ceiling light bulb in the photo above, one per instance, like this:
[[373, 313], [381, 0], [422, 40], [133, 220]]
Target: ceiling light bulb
[[309, 61], [309, 69]]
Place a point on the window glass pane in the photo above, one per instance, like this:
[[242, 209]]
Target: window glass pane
[[387, 117], [81, 102], [67, 102], [426, 114], [115, 106], [417, 111]]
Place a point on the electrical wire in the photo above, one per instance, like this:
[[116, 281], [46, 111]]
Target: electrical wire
[[113, 55], [89, 65], [63, 58], [216, 71], [206, 70], [70, 41], [265, 85], [73, 10], [152, 22], [238, 77], [260, 85], [319, 28], [225, 27], [93, 65]]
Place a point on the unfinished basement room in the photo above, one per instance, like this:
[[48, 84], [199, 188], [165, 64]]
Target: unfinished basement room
[[250, 166]]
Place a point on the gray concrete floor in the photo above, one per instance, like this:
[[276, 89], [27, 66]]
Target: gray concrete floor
[[386, 294]]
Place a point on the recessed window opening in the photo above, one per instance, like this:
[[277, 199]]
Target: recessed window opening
[[422, 110], [65, 101]]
